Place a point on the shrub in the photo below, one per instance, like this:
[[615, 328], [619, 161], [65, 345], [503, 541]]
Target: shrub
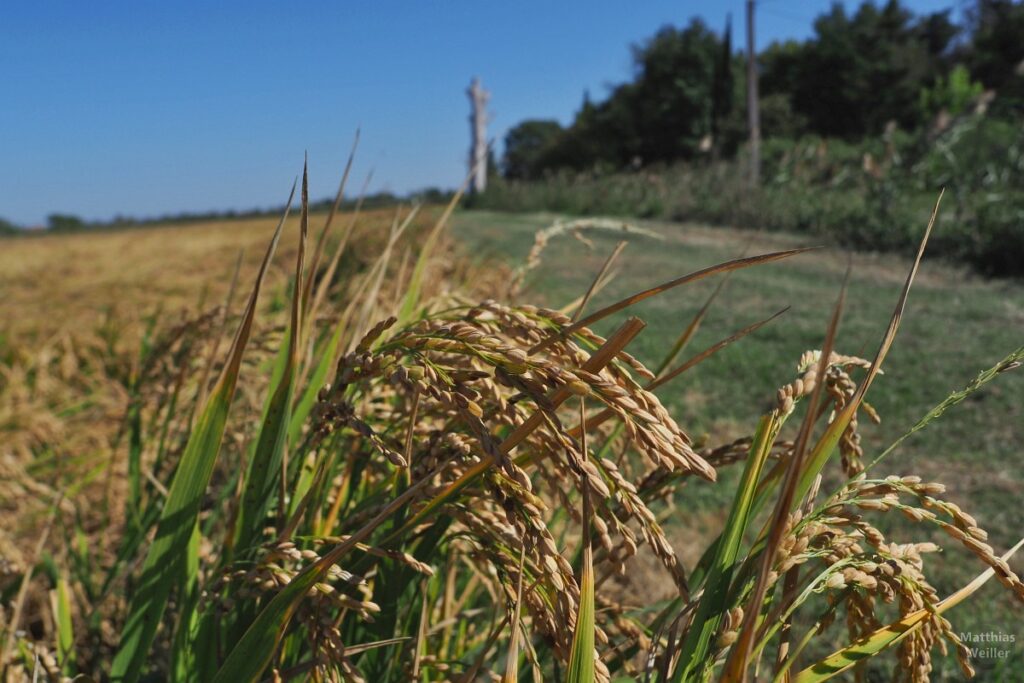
[[867, 196]]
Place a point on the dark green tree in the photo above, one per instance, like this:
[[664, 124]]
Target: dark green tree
[[995, 54], [60, 222], [672, 100], [722, 86], [859, 72], [525, 146], [780, 66], [662, 115]]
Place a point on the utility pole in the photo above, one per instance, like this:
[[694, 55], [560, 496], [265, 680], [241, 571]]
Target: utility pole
[[478, 98], [753, 115]]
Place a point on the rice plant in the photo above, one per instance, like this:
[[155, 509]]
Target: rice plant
[[390, 477]]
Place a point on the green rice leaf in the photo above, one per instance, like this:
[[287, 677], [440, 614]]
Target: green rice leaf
[[696, 648], [165, 563], [264, 471], [305, 404], [60, 601], [581, 659]]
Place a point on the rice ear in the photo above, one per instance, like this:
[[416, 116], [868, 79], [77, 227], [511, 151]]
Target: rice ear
[[887, 636], [512, 660], [666, 377], [253, 652]]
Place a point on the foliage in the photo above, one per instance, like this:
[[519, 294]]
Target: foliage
[[59, 222], [952, 95], [858, 73], [682, 82], [996, 52], [525, 145], [864, 121]]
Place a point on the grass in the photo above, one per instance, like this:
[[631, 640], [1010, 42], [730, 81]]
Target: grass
[[401, 470], [955, 323]]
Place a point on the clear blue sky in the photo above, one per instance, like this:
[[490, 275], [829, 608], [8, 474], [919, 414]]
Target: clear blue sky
[[144, 108]]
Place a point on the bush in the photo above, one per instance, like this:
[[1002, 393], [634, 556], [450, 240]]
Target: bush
[[871, 196]]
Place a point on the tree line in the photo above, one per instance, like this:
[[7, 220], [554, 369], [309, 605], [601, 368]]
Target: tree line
[[64, 222], [861, 73]]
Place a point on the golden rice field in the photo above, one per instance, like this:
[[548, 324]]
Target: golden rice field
[[68, 283]]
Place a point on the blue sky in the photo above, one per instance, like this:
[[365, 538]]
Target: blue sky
[[144, 108]]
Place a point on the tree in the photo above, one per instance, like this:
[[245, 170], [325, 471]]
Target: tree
[[859, 72], [996, 52], [525, 146], [59, 222], [722, 87], [780, 65], [674, 91], [663, 114]]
